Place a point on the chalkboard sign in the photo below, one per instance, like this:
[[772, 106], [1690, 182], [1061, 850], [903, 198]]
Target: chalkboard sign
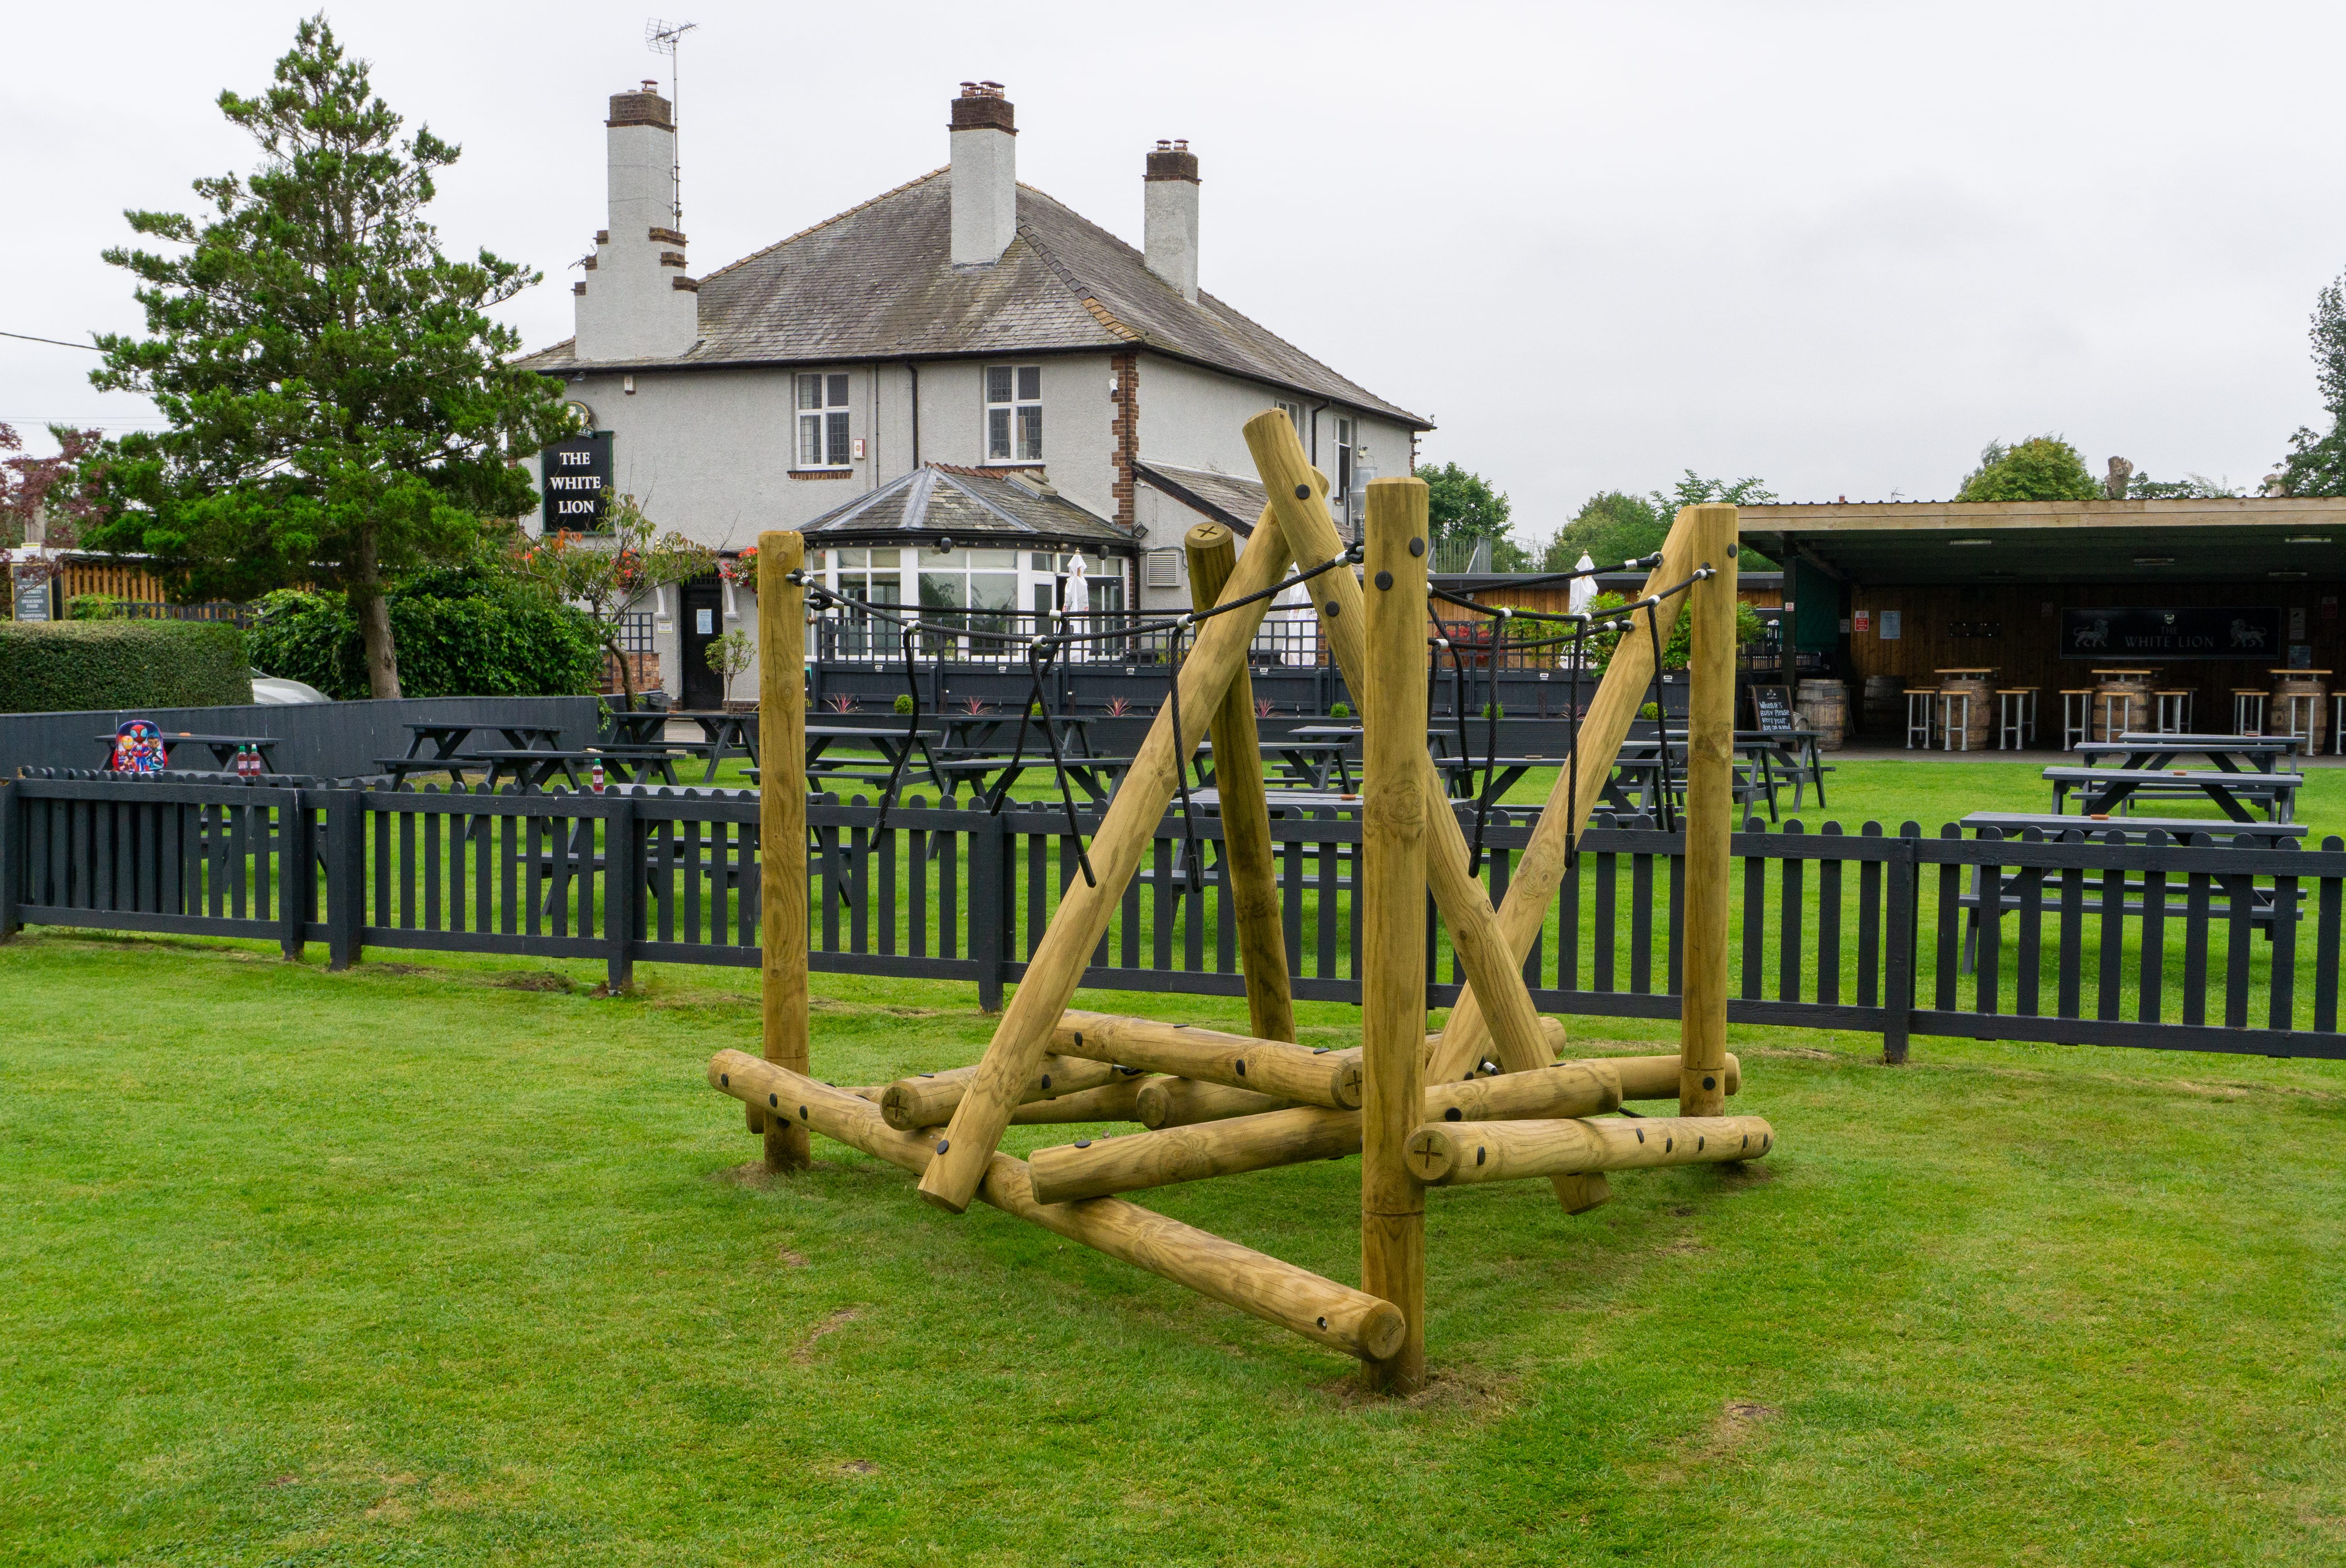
[[576, 482], [1773, 707], [31, 584]]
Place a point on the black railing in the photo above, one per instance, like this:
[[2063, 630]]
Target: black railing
[[2203, 945]]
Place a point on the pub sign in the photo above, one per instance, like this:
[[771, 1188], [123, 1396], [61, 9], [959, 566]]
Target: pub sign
[[577, 482], [2253, 633]]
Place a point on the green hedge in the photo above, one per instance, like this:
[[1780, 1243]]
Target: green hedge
[[56, 666], [458, 631]]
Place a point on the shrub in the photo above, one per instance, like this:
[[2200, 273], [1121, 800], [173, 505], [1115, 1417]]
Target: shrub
[[50, 667], [1651, 710], [463, 631], [1493, 710], [94, 608], [903, 702], [1340, 710]]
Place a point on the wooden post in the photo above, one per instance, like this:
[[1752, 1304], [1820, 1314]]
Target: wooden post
[[1710, 816], [1452, 1153], [781, 825], [1394, 808], [1496, 976], [1097, 1167], [1271, 1067], [1124, 833], [1540, 870], [908, 1105], [1247, 854]]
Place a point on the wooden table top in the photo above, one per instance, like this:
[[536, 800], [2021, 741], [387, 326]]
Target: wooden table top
[[2296, 673], [2107, 674]]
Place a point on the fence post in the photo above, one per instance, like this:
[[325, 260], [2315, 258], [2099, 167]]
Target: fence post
[[1903, 872], [12, 875], [295, 847], [623, 887], [987, 908], [345, 877]]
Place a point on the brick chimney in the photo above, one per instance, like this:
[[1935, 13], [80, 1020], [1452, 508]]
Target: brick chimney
[[636, 303], [985, 175], [1169, 237]]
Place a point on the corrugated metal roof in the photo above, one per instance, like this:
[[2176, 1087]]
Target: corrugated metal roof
[[877, 282]]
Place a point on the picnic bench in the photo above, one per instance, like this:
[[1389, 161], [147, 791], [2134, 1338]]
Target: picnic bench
[[722, 733], [823, 740], [2088, 893], [2101, 791], [2224, 752], [437, 746], [1096, 777]]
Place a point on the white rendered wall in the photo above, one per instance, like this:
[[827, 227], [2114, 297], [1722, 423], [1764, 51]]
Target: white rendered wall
[[984, 194]]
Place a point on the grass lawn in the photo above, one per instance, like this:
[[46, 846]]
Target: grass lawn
[[458, 1262]]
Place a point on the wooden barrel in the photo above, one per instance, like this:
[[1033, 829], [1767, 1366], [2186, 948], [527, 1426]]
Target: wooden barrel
[[1824, 707], [2135, 715], [1885, 703], [1982, 726], [2276, 712]]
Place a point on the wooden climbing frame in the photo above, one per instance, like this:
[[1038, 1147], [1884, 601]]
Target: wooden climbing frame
[[1484, 1099]]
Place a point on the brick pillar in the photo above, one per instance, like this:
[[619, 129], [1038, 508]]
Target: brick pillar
[[1125, 427]]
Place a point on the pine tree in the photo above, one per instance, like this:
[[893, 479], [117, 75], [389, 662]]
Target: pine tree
[[338, 400]]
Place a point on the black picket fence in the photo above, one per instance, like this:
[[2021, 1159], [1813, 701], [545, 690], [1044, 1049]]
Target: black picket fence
[[2192, 945]]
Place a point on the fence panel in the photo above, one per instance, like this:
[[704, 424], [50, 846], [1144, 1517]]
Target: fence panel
[[2028, 937]]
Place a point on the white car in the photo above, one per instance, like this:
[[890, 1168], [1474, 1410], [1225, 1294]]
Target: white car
[[271, 691]]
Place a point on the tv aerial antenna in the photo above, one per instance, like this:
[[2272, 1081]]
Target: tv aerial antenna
[[661, 39]]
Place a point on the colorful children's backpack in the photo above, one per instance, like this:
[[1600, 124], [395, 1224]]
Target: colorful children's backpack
[[138, 748]]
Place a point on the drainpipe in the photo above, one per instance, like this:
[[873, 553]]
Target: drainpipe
[[1315, 433], [913, 370]]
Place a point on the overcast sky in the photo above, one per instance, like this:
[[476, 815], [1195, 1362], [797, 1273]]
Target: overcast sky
[[1840, 246]]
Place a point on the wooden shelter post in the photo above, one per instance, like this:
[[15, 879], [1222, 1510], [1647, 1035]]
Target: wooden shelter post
[[782, 826], [1709, 814], [1394, 810]]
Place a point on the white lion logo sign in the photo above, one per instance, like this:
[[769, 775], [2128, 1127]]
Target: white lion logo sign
[[2245, 636], [2096, 635]]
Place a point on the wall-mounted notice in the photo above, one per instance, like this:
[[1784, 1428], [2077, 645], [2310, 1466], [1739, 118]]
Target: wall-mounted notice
[[1891, 624]]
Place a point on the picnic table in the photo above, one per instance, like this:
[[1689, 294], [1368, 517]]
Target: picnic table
[[1305, 762], [2024, 886], [435, 747], [1640, 763], [891, 744], [2101, 791], [223, 748], [535, 769], [2262, 753], [722, 735], [976, 733], [634, 727], [1096, 777]]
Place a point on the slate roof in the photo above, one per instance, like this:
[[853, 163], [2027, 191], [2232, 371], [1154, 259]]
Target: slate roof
[[983, 505], [877, 282], [1225, 498]]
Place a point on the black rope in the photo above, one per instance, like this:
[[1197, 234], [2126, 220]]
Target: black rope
[[1661, 719], [1490, 742], [911, 740], [1191, 881], [1572, 760]]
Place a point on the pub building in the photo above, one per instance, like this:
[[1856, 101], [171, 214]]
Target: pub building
[[1995, 624]]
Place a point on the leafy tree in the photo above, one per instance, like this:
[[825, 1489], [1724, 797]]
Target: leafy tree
[[2190, 487], [2042, 468], [1694, 490], [31, 487], [1610, 527], [603, 574], [475, 630], [1462, 504], [339, 405], [2316, 465]]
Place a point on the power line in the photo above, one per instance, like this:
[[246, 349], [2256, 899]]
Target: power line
[[53, 342]]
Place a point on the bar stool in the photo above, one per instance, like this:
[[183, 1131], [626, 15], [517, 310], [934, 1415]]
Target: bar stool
[[1920, 702], [2173, 711], [2015, 717], [2303, 710], [2337, 723], [2077, 715], [2249, 710], [1951, 728], [2117, 712]]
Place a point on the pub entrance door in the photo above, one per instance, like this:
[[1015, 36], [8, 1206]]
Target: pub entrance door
[[702, 623]]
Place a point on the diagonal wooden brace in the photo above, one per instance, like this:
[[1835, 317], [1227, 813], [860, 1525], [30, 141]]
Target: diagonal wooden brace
[[1539, 872], [1493, 973], [968, 1141]]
